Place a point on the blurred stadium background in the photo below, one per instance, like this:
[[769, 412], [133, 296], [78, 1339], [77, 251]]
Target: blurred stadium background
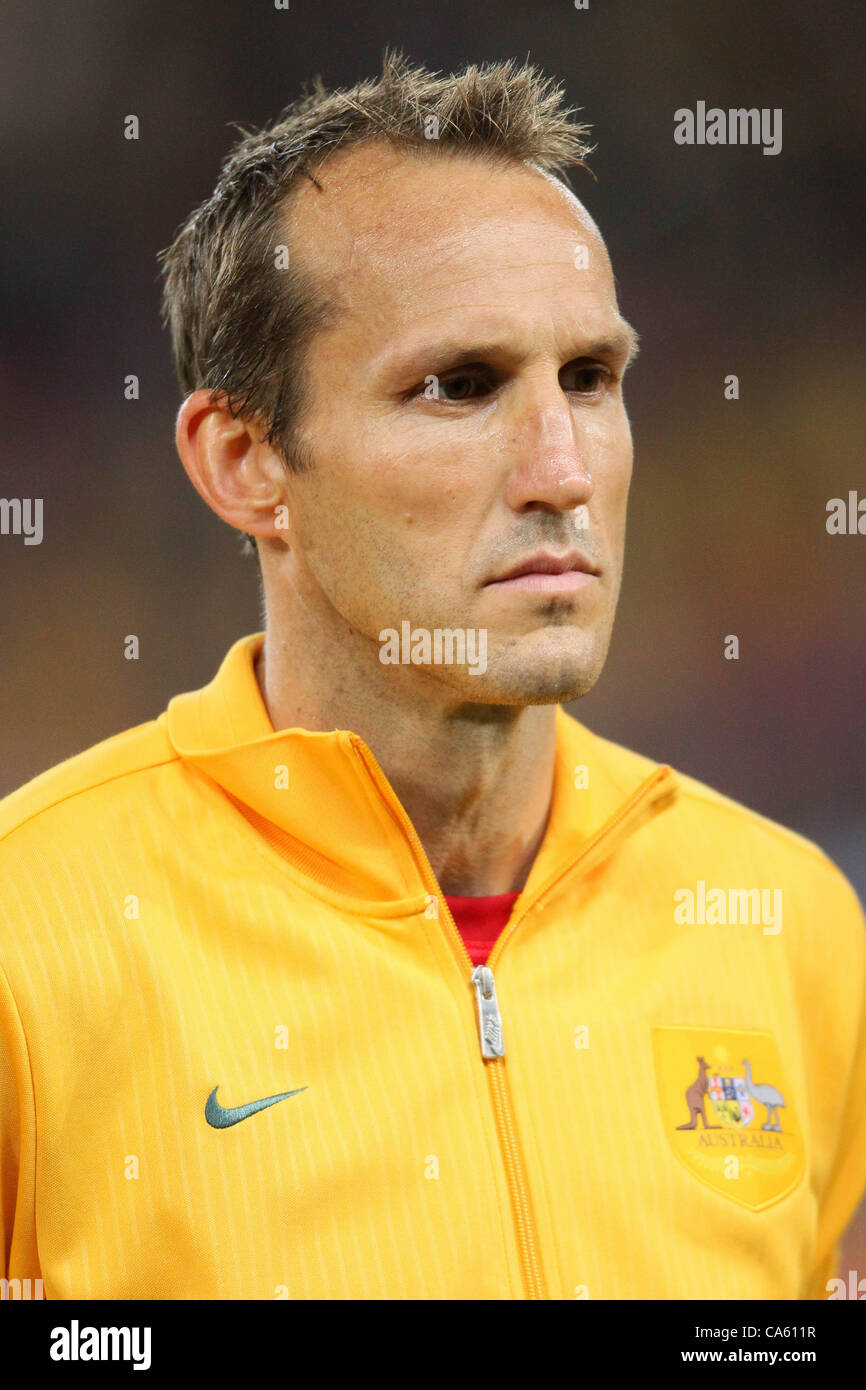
[[727, 260]]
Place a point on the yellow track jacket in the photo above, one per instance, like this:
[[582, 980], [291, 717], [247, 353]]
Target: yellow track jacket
[[244, 1052]]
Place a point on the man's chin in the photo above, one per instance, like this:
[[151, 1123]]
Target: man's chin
[[550, 670], [539, 668], [533, 685]]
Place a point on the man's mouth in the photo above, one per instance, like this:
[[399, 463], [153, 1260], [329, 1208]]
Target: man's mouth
[[547, 573]]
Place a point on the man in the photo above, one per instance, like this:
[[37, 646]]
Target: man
[[365, 971]]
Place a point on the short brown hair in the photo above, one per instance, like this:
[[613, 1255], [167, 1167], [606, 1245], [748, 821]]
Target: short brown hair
[[237, 333]]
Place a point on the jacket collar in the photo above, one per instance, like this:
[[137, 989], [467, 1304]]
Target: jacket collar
[[323, 802]]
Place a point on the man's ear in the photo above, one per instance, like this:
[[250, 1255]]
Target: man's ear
[[230, 465]]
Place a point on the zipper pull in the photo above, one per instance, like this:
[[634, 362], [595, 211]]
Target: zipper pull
[[489, 1021]]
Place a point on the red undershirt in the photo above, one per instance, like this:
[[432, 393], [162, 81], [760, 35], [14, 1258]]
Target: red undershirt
[[480, 921]]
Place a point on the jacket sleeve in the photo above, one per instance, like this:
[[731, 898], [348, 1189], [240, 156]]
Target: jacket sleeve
[[19, 1257], [844, 1189]]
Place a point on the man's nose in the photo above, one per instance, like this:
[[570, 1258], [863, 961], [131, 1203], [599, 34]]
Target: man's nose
[[549, 451]]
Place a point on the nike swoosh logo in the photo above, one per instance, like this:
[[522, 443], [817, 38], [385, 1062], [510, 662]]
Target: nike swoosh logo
[[222, 1118]]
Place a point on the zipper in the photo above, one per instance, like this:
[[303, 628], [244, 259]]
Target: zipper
[[489, 1022], [481, 977], [493, 1047]]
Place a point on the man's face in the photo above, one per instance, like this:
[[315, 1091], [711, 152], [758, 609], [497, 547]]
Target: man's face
[[465, 415]]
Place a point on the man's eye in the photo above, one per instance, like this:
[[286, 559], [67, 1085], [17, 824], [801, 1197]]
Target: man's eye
[[462, 386], [586, 379]]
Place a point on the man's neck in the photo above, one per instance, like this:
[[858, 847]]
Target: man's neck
[[475, 780]]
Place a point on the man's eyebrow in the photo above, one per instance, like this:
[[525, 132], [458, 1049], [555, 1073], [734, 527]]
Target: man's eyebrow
[[450, 353], [632, 342], [625, 344]]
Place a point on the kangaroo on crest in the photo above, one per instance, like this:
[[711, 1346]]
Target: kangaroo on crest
[[695, 1098]]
